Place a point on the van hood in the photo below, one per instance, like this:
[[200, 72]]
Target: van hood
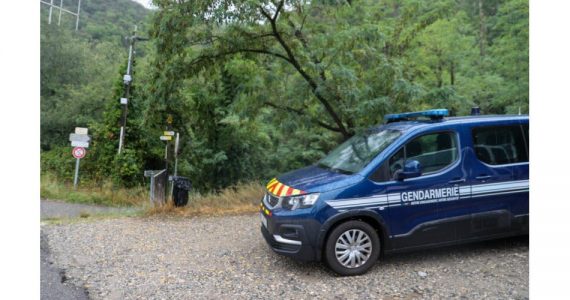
[[314, 179]]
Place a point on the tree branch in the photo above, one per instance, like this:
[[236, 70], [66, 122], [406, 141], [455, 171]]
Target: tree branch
[[302, 113], [293, 61], [235, 51]]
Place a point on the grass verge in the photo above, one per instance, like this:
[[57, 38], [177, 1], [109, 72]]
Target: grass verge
[[240, 199], [236, 200], [103, 194]]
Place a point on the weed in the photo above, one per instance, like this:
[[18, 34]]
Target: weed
[[103, 194], [239, 199]]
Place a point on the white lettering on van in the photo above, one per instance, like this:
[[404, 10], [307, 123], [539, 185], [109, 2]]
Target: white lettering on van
[[445, 194]]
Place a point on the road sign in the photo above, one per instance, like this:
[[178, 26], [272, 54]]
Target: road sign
[[171, 133], [165, 138], [80, 144], [74, 137], [78, 152], [81, 130]]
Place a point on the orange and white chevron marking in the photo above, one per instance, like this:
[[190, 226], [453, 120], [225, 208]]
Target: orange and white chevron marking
[[279, 189]]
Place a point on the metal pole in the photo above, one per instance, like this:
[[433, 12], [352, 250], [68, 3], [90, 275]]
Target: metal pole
[[175, 164], [50, 10], [76, 174], [127, 90], [176, 154], [166, 156], [77, 20], [60, 7], [131, 52], [121, 134], [166, 169], [152, 189]]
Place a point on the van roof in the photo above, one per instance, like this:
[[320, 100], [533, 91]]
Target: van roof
[[407, 125]]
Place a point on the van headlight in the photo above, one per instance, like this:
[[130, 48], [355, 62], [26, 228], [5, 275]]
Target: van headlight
[[302, 201]]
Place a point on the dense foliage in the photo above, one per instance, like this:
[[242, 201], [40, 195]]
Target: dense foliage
[[259, 87]]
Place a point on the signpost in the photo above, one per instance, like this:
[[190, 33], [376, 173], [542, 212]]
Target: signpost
[[81, 130], [167, 136], [176, 143], [79, 140], [78, 153], [80, 144]]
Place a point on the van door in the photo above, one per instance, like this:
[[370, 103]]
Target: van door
[[414, 216], [494, 185]]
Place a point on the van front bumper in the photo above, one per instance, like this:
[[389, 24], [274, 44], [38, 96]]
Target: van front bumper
[[293, 238]]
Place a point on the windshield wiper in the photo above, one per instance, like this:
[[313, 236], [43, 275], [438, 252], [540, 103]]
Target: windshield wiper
[[337, 170], [346, 172]]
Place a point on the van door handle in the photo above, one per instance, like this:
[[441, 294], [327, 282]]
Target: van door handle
[[483, 177], [460, 180]]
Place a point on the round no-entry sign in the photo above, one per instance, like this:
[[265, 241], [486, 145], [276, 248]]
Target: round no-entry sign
[[78, 152]]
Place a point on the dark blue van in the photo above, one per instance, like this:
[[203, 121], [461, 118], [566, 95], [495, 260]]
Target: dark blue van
[[421, 180]]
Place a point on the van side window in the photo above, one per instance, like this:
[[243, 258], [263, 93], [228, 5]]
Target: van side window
[[499, 145], [433, 151]]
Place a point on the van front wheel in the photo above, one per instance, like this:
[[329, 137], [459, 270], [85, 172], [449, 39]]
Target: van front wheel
[[352, 248]]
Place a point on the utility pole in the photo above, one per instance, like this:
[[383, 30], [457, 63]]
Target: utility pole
[[63, 10], [60, 7], [50, 11], [77, 19], [127, 79]]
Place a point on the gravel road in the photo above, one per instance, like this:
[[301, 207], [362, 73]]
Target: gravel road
[[226, 257], [53, 285], [50, 209]]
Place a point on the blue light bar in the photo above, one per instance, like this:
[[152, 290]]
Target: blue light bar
[[433, 114]]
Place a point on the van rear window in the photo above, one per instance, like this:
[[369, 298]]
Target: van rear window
[[500, 145]]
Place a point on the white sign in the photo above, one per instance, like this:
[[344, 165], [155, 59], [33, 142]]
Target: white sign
[[124, 101], [74, 137], [78, 152], [165, 138], [81, 130], [79, 144]]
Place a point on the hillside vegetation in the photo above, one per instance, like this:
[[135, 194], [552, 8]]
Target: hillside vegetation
[[256, 88]]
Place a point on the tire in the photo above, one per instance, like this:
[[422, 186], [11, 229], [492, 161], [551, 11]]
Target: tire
[[356, 256]]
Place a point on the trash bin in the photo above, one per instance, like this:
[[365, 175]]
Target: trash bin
[[181, 187]]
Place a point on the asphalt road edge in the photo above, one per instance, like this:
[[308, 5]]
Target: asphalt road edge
[[54, 283]]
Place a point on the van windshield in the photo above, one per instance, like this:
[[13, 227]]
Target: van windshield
[[354, 154]]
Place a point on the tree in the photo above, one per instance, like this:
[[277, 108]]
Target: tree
[[329, 46]]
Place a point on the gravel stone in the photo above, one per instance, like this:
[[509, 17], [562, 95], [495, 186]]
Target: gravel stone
[[226, 257]]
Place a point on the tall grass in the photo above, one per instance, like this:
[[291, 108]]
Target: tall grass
[[103, 194], [239, 199]]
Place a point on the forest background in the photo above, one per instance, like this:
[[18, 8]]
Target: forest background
[[256, 88]]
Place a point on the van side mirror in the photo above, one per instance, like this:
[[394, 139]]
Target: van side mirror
[[412, 169]]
